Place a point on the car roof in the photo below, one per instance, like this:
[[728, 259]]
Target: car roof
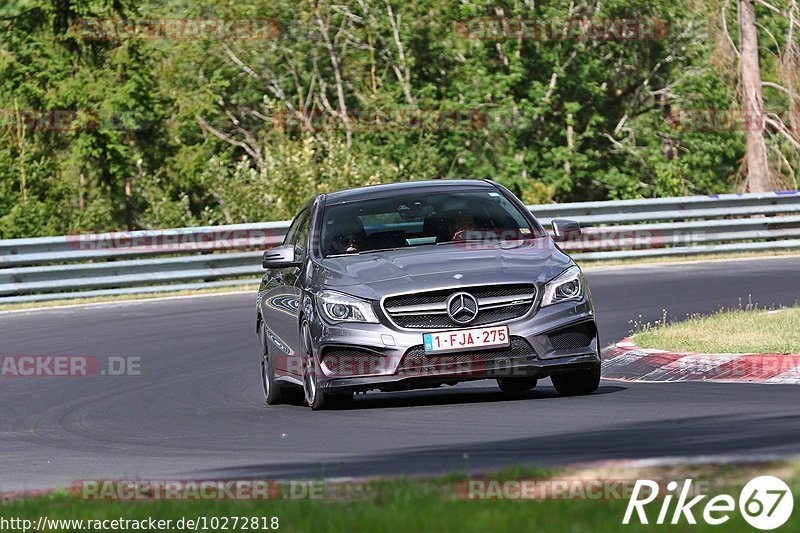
[[389, 189]]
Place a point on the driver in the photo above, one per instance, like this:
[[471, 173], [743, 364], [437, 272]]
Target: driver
[[463, 222], [348, 238]]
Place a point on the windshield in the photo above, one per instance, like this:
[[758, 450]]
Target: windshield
[[422, 218]]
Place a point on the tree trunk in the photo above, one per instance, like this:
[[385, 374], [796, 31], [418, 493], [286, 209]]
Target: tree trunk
[[81, 186], [752, 103], [20, 133], [128, 205]]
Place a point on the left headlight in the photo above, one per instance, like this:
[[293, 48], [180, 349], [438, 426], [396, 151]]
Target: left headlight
[[569, 285], [338, 307]]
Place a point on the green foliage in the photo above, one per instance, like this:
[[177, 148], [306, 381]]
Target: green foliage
[[173, 132]]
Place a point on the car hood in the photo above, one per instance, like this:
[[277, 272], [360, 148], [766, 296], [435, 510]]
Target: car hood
[[422, 268]]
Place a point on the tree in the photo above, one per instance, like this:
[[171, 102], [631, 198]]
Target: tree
[[183, 131], [758, 176]]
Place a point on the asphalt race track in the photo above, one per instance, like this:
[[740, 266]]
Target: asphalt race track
[[196, 410]]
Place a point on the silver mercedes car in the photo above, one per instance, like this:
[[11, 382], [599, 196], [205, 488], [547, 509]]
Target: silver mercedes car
[[422, 284]]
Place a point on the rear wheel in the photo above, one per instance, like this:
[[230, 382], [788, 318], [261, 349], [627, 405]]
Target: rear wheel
[[512, 385], [272, 391], [577, 382]]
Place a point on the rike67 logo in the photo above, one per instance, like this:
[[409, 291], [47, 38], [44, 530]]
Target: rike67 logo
[[765, 503]]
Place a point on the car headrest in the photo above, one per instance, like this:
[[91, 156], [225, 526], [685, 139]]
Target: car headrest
[[437, 226]]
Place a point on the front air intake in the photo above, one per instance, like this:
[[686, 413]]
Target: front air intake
[[573, 338]]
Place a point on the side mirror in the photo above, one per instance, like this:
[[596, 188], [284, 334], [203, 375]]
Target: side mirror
[[565, 230], [279, 257]]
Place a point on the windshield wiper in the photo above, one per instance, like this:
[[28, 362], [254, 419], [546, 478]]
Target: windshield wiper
[[377, 250], [395, 248], [460, 241]]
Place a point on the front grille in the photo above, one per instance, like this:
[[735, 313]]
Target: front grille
[[345, 361], [497, 303], [416, 360], [573, 337]]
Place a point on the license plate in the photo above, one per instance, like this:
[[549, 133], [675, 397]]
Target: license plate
[[466, 339]]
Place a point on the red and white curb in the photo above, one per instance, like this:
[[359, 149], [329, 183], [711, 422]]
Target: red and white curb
[[627, 362]]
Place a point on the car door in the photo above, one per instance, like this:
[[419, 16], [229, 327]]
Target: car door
[[280, 303], [294, 288]]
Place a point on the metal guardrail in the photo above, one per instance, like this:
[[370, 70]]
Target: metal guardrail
[[104, 264]]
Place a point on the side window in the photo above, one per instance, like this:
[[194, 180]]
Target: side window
[[297, 235], [291, 235], [301, 236]]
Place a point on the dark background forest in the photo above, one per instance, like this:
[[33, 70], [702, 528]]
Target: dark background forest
[[103, 129]]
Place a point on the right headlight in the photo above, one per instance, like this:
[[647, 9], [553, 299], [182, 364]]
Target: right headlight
[[338, 307], [569, 285]]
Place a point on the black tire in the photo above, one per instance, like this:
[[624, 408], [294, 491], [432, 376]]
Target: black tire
[[516, 385], [315, 397], [577, 382], [273, 394]]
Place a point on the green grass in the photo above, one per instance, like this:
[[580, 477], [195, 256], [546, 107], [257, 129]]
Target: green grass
[[749, 330], [427, 505]]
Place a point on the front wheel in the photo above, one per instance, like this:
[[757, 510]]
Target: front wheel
[[577, 382], [516, 385], [316, 398], [272, 391]]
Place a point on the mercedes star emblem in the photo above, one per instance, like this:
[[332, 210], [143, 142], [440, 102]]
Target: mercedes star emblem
[[462, 307]]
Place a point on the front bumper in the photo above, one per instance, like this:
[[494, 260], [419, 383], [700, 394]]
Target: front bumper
[[361, 357], [537, 369]]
